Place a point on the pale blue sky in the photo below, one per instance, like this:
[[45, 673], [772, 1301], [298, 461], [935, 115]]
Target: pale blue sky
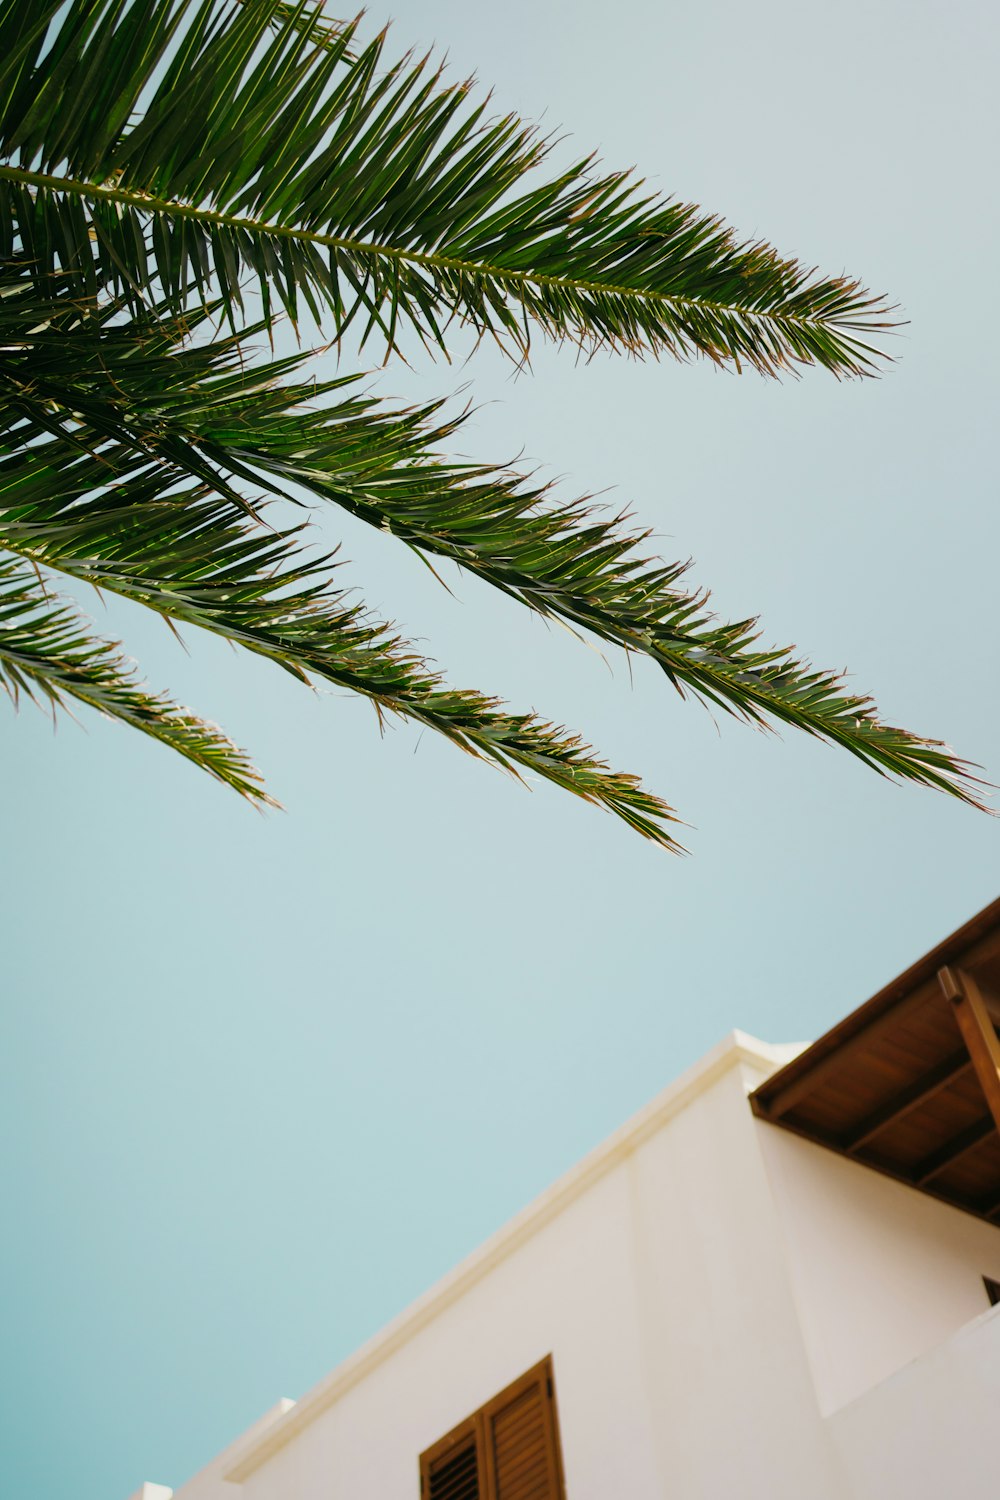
[[266, 1078]]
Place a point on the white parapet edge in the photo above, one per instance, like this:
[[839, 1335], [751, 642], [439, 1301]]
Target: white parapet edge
[[735, 1049]]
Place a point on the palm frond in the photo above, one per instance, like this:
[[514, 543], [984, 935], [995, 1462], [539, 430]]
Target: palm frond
[[133, 447], [329, 32], [187, 556], [48, 654], [365, 187], [574, 562], [125, 499], [227, 424]]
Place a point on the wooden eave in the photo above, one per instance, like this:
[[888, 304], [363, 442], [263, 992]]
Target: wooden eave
[[909, 1083]]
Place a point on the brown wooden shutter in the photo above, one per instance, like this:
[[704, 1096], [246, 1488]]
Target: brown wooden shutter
[[522, 1446], [452, 1469], [507, 1450]]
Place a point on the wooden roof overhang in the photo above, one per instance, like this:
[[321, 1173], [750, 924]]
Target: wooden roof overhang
[[909, 1083]]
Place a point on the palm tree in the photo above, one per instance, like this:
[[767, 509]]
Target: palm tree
[[177, 175]]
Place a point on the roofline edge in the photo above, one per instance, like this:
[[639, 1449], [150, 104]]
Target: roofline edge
[[736, 1048]]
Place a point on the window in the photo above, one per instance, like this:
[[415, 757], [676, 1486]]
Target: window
[[507, 1450], [992, 1290]]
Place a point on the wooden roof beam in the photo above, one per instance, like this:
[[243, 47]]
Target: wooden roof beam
[[967, 1140], [991, 999], [772, 1103], [970, 1010], [901, 1104]]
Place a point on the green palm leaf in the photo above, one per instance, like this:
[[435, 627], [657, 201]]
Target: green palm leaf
[[160, 411], [225, 424], [364, 188], [48, 655], [563, 560], [96, 481], [139, 450]]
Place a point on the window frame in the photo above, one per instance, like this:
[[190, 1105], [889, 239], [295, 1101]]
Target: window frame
[[478, 1427]]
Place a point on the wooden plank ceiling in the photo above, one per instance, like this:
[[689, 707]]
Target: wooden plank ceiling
[[909, 1083]]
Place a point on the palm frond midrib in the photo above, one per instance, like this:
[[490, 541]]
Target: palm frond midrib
[[440, 261]]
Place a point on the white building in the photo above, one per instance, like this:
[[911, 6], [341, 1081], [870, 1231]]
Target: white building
[[712, 1304]]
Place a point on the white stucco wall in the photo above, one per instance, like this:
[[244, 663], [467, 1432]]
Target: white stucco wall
[[725, 1367], [730, 1311], [653, 1274], [881, 1273], [930, 1430]]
